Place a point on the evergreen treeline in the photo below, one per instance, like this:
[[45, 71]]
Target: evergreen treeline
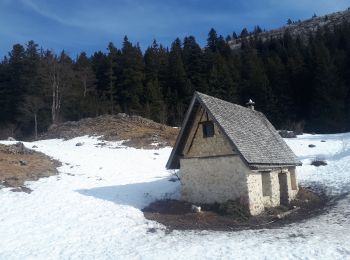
[[297, 84]]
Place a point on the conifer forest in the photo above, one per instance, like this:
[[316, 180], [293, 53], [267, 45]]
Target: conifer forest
[[298, 84]]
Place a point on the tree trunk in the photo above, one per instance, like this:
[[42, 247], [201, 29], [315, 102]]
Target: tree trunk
[[56, 102], [35, 126], [85, 85], [111, 96], [53, 110]]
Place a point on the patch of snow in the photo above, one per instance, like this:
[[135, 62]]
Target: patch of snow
[[92, 209], [335, 149]]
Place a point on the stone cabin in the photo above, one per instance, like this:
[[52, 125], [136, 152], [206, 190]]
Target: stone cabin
[[228, 152]]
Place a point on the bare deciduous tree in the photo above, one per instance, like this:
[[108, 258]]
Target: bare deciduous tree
[[85, 74], [31, 107], [57, 73]]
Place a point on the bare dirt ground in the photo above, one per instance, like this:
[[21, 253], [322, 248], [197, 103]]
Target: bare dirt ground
[[178, 215], [140, 132], [19, 164]]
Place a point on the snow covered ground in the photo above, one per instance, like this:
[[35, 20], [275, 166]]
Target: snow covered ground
[[92, 209]]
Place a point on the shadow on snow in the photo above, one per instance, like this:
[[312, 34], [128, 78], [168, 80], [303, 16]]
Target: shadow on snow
[[137, 195]]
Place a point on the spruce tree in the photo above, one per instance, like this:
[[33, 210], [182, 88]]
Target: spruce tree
[[193, 60], [244, 33], [153, 97], [100, 67], [112, 75], [17, 84], [132, 77], [328, 94], [6, 96], [179, 91], [212, 40]]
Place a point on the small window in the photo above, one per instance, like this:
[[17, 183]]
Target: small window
[[266, 184], [293, 180], [208, 129]]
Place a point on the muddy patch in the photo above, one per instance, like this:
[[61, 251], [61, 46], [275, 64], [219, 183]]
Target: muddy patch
[[179, 215]]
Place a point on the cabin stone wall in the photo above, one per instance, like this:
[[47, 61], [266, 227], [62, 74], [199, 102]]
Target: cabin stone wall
[[215, 179], [218, 179], [271, 189], [199, 146], [255, 198], [293, 187], [264, 188]]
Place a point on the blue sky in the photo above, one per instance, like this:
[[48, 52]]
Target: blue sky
[[88, 25]]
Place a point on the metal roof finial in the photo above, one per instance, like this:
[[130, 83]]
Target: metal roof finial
[[250, 104]]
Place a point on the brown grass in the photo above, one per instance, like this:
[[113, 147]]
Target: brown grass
[[140, 132], [34, 165]]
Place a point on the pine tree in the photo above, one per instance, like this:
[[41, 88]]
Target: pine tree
[[6, 96], [113, 56], [100, 67], [153, 97], [257, 29], [212, 40], [179, 91], [244, 33], [328, 96], [219, 79], [255, 84], [193, 60], [132, 77], [17, 86], [221, 74]]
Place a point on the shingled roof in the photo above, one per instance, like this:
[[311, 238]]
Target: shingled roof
[[249, 132]]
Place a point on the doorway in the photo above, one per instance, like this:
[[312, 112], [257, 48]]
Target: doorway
[[282, 178]]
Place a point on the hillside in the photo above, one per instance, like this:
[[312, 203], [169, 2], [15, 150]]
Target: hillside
[[135, 131], [301, 28]]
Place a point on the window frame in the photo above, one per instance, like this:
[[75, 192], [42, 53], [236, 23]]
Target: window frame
[[208, 129], [266, 184], [293, 180]]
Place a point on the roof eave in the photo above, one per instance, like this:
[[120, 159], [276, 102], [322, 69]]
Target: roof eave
[[172, 163], [257, 166]]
